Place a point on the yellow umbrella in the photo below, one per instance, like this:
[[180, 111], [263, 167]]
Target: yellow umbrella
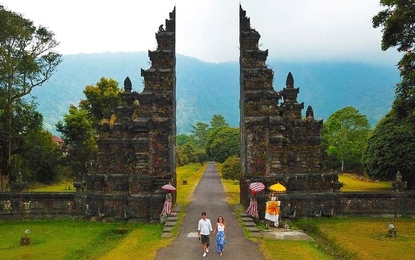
[[278, 187]]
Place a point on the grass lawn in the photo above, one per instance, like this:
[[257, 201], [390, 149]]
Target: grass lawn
[[58, 187], [352, 182], [65, 238], [362, 238]]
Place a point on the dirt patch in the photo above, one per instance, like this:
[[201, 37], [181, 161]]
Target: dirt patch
[[284, 234]]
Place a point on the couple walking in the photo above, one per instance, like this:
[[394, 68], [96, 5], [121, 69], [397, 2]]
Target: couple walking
[[205, 230]]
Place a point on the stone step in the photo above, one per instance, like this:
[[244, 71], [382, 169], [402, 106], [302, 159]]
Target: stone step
[[247, 219], [245, 215], [170, 223], [256, 234], [250, 224], [166, 234], [167, 229], [171, 218], [252, 229]]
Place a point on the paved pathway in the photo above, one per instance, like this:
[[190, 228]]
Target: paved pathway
[[209, 196]]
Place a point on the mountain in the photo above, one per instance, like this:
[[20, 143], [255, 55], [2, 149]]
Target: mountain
[[205, 89]]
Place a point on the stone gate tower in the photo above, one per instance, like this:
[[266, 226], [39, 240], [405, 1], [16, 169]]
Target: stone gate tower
[[137, 145], [278, 144]]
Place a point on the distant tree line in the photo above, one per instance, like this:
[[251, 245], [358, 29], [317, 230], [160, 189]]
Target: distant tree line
[[218, 142]]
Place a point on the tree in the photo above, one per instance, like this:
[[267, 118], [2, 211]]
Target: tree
[[27, 60], [40, 157], [34, 155], [398, 22], [346, 132], [200, 133], [79, 125], [394, 135], [101, 99], [223, 142], [217, 121], [391, 148], [189, 153], [181, 139], [79, 136]]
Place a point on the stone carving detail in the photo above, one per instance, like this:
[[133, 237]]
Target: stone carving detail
[[7, 205], [26, 205]]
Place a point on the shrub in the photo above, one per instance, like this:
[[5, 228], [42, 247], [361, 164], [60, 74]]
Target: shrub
[[231, 168]]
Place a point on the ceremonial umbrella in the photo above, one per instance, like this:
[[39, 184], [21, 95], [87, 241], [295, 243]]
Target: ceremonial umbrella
[[168, 187], [278, 187], [256, 187]]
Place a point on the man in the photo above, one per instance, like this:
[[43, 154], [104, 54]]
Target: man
[[204, 231]]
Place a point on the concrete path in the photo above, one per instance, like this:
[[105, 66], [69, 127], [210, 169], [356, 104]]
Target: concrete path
[[209, 196]]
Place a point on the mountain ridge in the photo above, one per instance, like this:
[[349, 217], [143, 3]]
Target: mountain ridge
[[204, 89]]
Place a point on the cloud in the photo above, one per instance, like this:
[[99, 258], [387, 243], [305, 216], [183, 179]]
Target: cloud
[[294, 30]]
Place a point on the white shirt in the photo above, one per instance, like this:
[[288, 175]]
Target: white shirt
[[204, 226]]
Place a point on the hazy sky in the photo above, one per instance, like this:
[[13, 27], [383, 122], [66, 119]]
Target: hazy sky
[[292, 30]]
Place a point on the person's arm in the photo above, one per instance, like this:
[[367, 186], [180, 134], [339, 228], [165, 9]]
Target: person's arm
[[215, 229]]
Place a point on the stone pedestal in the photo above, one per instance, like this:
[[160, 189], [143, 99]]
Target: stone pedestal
[[25, 241], [392, 232]]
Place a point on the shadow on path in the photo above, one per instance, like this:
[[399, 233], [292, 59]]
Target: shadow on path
[[209, 196]]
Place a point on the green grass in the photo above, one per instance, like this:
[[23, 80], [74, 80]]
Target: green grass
[[60, 239], [191, 174], [142, 243], [57, 187], [352, 182], [290, 250], [362, 238]]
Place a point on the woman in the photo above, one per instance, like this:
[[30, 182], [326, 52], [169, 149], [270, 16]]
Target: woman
[[220, 230]]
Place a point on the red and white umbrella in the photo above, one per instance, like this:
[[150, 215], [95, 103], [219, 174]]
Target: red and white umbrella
[[168, 187], [256, 187]]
